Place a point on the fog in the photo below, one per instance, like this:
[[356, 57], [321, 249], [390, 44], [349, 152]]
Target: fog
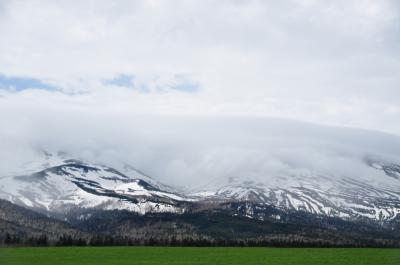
[[196, 91], [188, 150]]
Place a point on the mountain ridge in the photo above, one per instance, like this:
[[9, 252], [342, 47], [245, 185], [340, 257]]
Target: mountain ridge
[[58, 183]]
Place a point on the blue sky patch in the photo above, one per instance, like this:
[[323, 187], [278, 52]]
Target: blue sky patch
[[180, 82], [22, 83], [122, 80], [185, 84]]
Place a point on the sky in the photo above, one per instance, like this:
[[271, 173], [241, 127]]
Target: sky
[[83, 75]]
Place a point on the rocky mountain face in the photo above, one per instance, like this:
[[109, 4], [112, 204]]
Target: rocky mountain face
[[345, 198], [58, 185]]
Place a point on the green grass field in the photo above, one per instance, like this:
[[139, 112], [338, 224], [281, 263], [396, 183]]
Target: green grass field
[[179, 256]]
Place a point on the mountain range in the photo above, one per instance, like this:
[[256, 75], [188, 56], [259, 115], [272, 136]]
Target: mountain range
[[80, 193]]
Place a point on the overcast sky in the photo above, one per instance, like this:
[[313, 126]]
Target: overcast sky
[[79, 71]]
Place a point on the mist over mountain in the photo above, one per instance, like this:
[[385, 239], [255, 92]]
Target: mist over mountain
[[162, 162], [198, 150], [156, 118]]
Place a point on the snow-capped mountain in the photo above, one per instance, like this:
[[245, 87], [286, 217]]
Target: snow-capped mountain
[[375, 196], [57, 183]]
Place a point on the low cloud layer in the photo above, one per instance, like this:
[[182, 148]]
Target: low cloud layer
[[185, 150], [193, 91]]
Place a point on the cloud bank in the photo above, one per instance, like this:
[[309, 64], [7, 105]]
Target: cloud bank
[[184, 150], [198, 90], [332, 63]]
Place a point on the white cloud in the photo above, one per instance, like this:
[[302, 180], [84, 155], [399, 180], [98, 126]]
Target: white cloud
[[295, 59], [179, 149], [331, 63]]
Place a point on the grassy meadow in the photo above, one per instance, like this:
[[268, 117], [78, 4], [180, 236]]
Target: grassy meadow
[[206, 256]]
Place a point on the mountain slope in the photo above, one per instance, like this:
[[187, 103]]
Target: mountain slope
[[70, 183], [58, 184], [343, 197], [21, 222]]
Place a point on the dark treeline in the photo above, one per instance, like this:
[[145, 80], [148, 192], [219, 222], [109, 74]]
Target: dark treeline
[[104, 240], [23, 227]]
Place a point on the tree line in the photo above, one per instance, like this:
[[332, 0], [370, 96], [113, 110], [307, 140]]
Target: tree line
[[172, 241]]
